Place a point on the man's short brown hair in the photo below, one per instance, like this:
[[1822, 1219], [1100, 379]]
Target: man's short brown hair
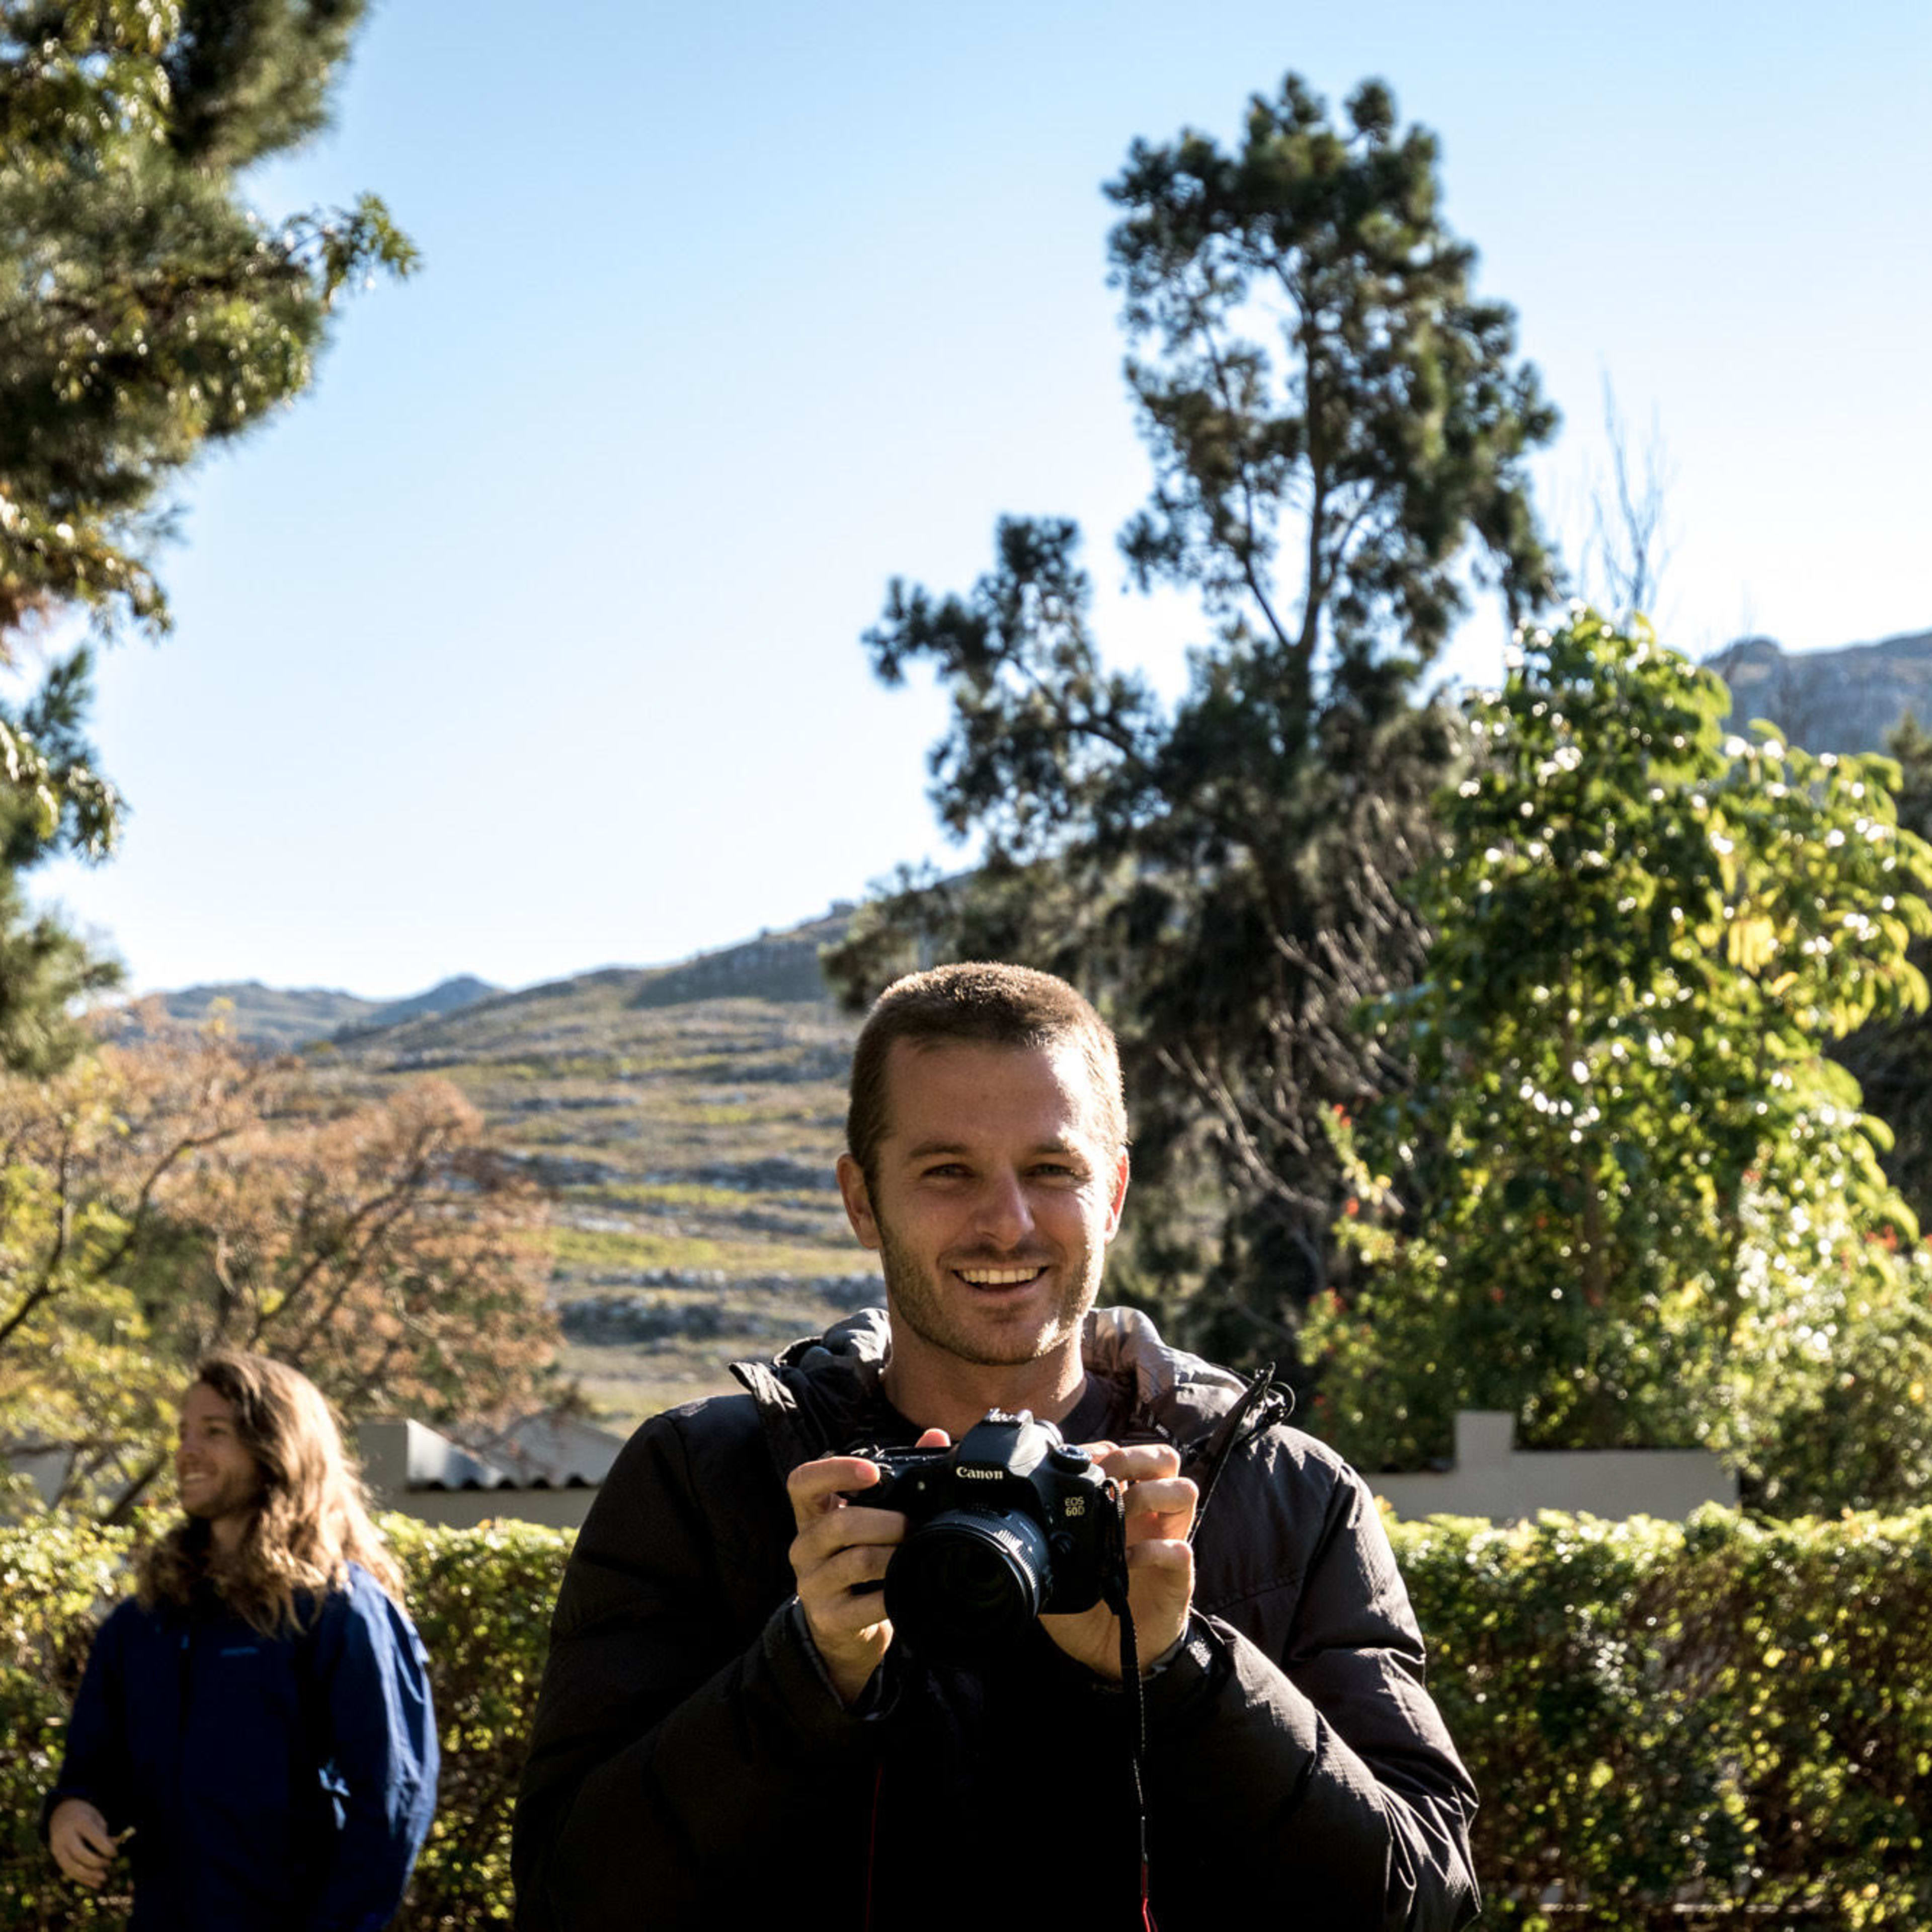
[[980, 1003]]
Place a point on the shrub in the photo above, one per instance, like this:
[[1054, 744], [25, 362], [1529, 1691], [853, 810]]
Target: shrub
[[1724, 1714], [482, 1598], [1723, 1721]]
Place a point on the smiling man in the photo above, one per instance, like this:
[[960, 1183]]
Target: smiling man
[[731, 1731]]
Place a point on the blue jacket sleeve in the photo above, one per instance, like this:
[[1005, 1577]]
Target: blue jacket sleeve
[[96, 1765], [380, 1758]]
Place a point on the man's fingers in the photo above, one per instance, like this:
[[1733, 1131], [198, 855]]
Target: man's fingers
[[1174, 1554], [816, 1488], [1139, 1462], [821, 1537], [1163, 1506], [846, 1569]]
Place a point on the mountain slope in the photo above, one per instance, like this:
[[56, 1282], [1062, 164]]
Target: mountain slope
[[688, 1132], [283, 1020], [278, 1018], [1843, 701]]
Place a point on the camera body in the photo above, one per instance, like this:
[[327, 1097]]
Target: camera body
[[1011, 1524]]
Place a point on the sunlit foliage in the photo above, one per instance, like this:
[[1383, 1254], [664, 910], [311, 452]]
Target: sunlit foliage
[[1627, 1196], [146, 309]]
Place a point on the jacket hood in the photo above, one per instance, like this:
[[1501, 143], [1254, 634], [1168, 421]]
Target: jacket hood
[[812, 1395]]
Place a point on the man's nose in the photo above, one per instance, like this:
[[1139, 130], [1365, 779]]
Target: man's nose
[[1005, 1213]]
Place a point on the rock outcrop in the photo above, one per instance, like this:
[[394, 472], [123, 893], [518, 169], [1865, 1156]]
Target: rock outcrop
[[1844, 700]]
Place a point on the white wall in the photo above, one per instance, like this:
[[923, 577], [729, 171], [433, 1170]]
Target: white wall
[[1492, 1477]]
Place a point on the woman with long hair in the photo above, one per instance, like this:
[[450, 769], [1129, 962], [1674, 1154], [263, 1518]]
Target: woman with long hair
[[255, 1723]]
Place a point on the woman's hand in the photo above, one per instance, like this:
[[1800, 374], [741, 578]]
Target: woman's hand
[[83, 1847]]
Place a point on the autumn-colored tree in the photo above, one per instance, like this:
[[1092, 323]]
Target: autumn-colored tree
[[161, 1197], [1636, 1204]]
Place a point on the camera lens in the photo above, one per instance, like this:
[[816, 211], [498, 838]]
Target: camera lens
[[968, 1580]]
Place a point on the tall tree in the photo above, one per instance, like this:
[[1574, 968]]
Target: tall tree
[[1338, 427], [146, 310], [1639, 1204], [52, 799]]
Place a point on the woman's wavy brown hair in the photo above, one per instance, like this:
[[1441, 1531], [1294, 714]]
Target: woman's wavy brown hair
[[311, 1520]]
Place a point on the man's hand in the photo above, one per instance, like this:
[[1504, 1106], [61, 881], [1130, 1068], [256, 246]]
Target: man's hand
[[1158, 1502], [82, 1846], [838, 1556]]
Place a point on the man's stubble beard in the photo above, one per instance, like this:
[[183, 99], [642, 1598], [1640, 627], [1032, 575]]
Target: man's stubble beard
[[916, 1299]]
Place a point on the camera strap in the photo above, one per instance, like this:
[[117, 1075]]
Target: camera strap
[[1114, 1591]]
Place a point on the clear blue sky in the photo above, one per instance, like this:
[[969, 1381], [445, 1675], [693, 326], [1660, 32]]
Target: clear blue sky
[[528, 641]]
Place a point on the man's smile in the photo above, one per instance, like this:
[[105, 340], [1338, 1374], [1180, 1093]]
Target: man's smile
[[1001, 1277]]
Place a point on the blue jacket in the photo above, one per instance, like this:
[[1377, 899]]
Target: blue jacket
[[273, 1784]]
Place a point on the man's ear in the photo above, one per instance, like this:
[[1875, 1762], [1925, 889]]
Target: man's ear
[[858, 1201], [1120, 1199]]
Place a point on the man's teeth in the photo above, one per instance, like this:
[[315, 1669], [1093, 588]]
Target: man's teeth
[[996, 1277]]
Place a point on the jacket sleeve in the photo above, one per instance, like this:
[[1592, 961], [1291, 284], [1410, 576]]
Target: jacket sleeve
[[371, 1696], [1316, 1771], [96, 1765], [684, 1727]]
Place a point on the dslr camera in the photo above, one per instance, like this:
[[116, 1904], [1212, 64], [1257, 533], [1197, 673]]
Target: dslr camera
[[1012, 1523]]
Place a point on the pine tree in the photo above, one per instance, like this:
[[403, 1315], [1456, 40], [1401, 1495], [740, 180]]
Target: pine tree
[[145, 312], [1338, 427]]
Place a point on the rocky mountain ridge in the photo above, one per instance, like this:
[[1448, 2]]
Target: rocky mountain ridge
[[283, 1019], [1850, 700], [780, 966]]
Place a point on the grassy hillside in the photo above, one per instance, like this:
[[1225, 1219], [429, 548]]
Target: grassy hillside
[[687, 1118]]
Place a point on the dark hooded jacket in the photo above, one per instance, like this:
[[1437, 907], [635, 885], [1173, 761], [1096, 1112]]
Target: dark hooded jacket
[[690, 1766], [272, 1783]]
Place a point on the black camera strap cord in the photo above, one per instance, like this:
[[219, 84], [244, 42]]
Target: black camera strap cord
[[1114, 1593]]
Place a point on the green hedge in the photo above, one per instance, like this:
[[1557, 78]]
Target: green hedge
[[482, 1598], [1723, 1715]]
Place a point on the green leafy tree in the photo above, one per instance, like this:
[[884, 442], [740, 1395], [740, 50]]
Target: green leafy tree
[[1638, 1204], [1891, 1058], [146, 311], [1338, 427]]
